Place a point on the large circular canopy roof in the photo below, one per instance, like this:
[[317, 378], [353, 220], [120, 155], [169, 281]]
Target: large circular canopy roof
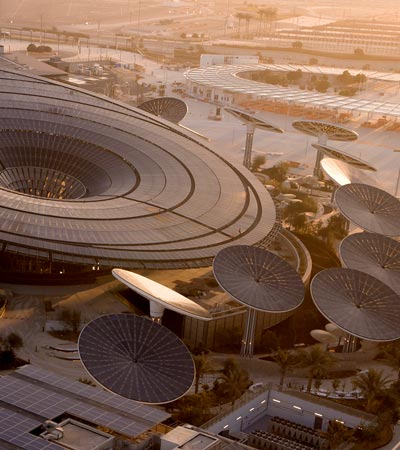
[[335, 330], [164, 296], [374, 254], [136, 358], [331, 131], [258, 278], [88, 180], [169, 108], [357, 303], [343, 173], [325, 337], [253, 120], [332, 152], [370, 208]]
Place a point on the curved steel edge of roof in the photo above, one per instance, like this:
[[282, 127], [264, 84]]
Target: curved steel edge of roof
[[164, 296], [146, 223]]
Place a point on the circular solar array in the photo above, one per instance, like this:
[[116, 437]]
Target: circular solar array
[[253, 120], [374, 254], [331, 131], [343, 173], [331, 152], [258, 278], [357, 303], [85, 179], [162, 295], [370, 208], [136, 358], [169, 108]]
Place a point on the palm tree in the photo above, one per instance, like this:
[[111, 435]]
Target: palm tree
[[338, 434], [240, 16], [247, 17], [392, 356], [234, 380], [285, 360], [202, 364], [317, 360], [260, 13], [372, 385], [270, 15]]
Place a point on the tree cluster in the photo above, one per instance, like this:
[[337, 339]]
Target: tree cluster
[[346, 78], [232, 382], [278, 172], [71, 319], [8, 345], [39, 48]]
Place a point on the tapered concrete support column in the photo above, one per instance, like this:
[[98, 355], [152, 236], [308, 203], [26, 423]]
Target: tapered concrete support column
[[247, 349], [249, 146], [322, 139]]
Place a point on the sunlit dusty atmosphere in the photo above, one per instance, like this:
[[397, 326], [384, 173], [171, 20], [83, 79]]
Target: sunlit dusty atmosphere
[[199, 224]]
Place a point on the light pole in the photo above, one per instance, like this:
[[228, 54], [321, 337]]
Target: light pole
[[11, 22], [41, 28], [398, 177]]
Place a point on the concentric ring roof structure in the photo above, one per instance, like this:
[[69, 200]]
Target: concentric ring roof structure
[[332, 152], [331, 131], [343, 173], [357, 303], [258, 278], [136, 358], [85, 179], [370, 208], [169, 108], [374, 254], [164, 296], [253, 120]]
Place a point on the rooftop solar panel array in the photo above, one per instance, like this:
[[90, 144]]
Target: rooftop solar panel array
[[32, 395], [135, 191]]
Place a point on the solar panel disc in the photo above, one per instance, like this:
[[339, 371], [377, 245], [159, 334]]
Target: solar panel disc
[[357, 303], [331, 131], [374, 254], [254, 120], [258, 278], [370, 208], [136, 358], [169, 108]]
